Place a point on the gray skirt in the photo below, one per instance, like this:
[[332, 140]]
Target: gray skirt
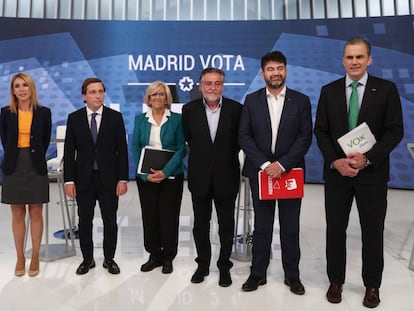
[[25, 185]]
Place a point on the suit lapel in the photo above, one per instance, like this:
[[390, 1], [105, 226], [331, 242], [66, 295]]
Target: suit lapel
[[84, 123], [223, 119], [102, 125], [285, 112], [262, 108], [203, 119], [341, 108], [368, 98], [164, 130], [264, 113]]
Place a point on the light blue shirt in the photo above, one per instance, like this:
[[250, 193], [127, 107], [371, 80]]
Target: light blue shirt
[[213, 117]]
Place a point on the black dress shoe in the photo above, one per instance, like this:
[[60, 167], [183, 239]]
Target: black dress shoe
[[198, 276], [111, 266], [150, 265], [253, 282], [85, 266], [334, 293], [167, 267], [225, 278], [296, 286], [371, 299]]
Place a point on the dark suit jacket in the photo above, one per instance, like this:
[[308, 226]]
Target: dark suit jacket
[[110, 150], [380, 109], [294, 134], [39, 140], [216, 160]]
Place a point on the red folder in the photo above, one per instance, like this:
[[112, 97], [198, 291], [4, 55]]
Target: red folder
[[288, 186]]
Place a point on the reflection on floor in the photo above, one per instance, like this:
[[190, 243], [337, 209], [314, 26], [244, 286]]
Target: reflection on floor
[[57, 287]]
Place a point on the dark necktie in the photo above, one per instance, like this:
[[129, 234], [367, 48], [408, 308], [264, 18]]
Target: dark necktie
[[94, 132], [353, 106], [94, 128]]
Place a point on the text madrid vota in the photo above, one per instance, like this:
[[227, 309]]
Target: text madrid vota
[[186, 62]]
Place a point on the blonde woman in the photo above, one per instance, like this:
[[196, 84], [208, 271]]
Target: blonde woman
[[161, 190], [25, 128]]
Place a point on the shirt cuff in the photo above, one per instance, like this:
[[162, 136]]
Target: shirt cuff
[[264, 165], [283, 169]]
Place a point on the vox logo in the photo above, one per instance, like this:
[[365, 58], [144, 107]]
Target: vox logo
[[356, 141]]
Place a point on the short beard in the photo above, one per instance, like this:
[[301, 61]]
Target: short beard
[[212, 98], [275, 85]]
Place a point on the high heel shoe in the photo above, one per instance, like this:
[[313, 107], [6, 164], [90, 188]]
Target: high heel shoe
[[34, 271], [20, 272]]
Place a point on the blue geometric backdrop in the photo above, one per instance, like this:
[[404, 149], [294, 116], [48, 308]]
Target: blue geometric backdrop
[[127, 56]]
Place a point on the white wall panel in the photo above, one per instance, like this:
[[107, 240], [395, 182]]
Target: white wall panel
[[64, 9], [51, 8], [402, 7], [305, 11], [374, 8], [38, 8], [388, 8], [10, 8], [78, 8], [202, 9], [318, 8], [132, 12], [24, 8]]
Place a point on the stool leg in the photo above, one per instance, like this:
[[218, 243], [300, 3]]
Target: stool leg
[[411, 262]]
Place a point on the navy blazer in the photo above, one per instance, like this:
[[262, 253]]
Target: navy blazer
[[40, 132], [216, 161], [110, 150], [294, 135], [380, 109], [172, 138]]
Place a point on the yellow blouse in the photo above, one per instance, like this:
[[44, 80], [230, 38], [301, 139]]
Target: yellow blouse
[[25, 123]]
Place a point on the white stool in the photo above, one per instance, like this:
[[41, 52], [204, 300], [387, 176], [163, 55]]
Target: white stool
[[243, 242]]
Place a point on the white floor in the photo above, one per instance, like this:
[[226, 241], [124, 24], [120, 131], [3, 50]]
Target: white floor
[[57, 287]]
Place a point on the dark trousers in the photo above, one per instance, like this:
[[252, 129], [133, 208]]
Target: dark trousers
[[160, 206], [371, 201], [202, 207], [108, 204], [264, 214]]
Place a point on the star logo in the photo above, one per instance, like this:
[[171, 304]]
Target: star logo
[[186, 84]]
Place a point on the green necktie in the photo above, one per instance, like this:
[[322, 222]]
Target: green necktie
[[353, 106]]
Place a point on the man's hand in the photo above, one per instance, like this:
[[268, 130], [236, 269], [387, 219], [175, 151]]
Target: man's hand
[[121, 188], [359, 158], [274, 170], [346, 167], [70, 190]]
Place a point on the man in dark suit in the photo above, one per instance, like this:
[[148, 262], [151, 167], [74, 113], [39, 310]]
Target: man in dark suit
[[96, 168], [210, 128], [275, 134], [360, 176]]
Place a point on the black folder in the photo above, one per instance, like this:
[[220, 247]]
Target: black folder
[[153, 158]]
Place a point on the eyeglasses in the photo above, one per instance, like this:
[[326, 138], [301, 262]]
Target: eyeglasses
[[160, 94]]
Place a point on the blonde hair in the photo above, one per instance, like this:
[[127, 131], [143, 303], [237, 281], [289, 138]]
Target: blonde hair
[[34, 102], [154, 87]]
